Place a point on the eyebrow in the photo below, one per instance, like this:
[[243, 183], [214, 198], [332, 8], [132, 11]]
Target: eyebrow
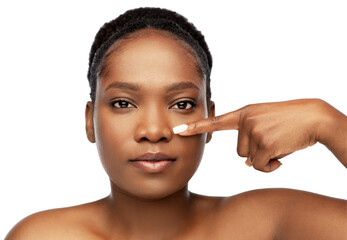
[[181, 86], [134, 87], [123, 85]]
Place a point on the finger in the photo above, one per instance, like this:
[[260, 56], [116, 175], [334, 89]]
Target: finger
[[263, 162], [227, 121], [243, 143], [252, 151], [272, 165]]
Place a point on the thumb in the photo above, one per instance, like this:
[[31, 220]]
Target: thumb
[[228, 121]]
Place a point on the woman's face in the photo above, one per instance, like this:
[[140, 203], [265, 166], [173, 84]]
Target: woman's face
[[151, 85]]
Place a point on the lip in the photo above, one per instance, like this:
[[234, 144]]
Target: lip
[[153, 162]]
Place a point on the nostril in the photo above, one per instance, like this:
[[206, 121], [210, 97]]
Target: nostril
[[159, 140], [153, 132]]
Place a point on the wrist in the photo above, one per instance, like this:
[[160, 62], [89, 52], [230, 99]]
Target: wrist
[[326, 122], [332, 128]]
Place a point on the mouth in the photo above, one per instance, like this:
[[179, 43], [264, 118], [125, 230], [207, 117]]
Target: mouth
[[153, 162]]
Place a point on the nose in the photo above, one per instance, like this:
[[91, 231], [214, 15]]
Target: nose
[[154, 127]]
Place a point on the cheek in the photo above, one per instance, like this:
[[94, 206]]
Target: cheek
[[112, 141], [190, 151]]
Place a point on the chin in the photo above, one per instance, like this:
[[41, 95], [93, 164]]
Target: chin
[[151, 191]]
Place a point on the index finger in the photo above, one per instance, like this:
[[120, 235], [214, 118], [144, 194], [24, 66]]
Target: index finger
[[228, 121]]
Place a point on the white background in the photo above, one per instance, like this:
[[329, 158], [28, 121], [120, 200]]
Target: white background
[[263, 51]]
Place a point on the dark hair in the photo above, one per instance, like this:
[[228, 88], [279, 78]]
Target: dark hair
[[142, 18]]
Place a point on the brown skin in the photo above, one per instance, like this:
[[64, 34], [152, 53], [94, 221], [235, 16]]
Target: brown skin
[[270, 131], [159, 206]]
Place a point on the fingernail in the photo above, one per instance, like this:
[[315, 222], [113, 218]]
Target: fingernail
[[248, 162], [180, 128]]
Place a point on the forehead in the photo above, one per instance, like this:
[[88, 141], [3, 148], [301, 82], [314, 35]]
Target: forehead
[[159, 38], [154, 55]]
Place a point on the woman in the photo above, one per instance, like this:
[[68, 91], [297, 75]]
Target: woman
[[149, 75]]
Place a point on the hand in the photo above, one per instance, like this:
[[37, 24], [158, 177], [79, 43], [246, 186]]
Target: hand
[[270, 131]]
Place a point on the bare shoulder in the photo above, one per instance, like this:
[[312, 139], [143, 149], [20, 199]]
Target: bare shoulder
[[64, 223], [276, 198], [279, 213]]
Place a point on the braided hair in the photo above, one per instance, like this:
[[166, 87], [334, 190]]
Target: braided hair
[[143, 18]]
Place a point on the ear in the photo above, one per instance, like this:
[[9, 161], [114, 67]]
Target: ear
[[211, 113], [89, 122]]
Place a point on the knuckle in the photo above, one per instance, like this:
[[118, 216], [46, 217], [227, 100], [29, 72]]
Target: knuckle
[[255, 132], [193, 126], [263, 143], [248, 108], [250, 123], [215, 119]]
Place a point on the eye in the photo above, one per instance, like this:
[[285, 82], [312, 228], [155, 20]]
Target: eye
[[184, 105], [122, 104]]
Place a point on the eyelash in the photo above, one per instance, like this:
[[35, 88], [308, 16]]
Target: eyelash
[[122, 101], [187, 104]]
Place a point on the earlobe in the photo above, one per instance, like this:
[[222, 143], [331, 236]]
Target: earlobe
[[211, 113], [89, 122]]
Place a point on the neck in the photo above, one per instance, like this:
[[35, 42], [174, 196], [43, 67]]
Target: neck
[[158, 218]]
